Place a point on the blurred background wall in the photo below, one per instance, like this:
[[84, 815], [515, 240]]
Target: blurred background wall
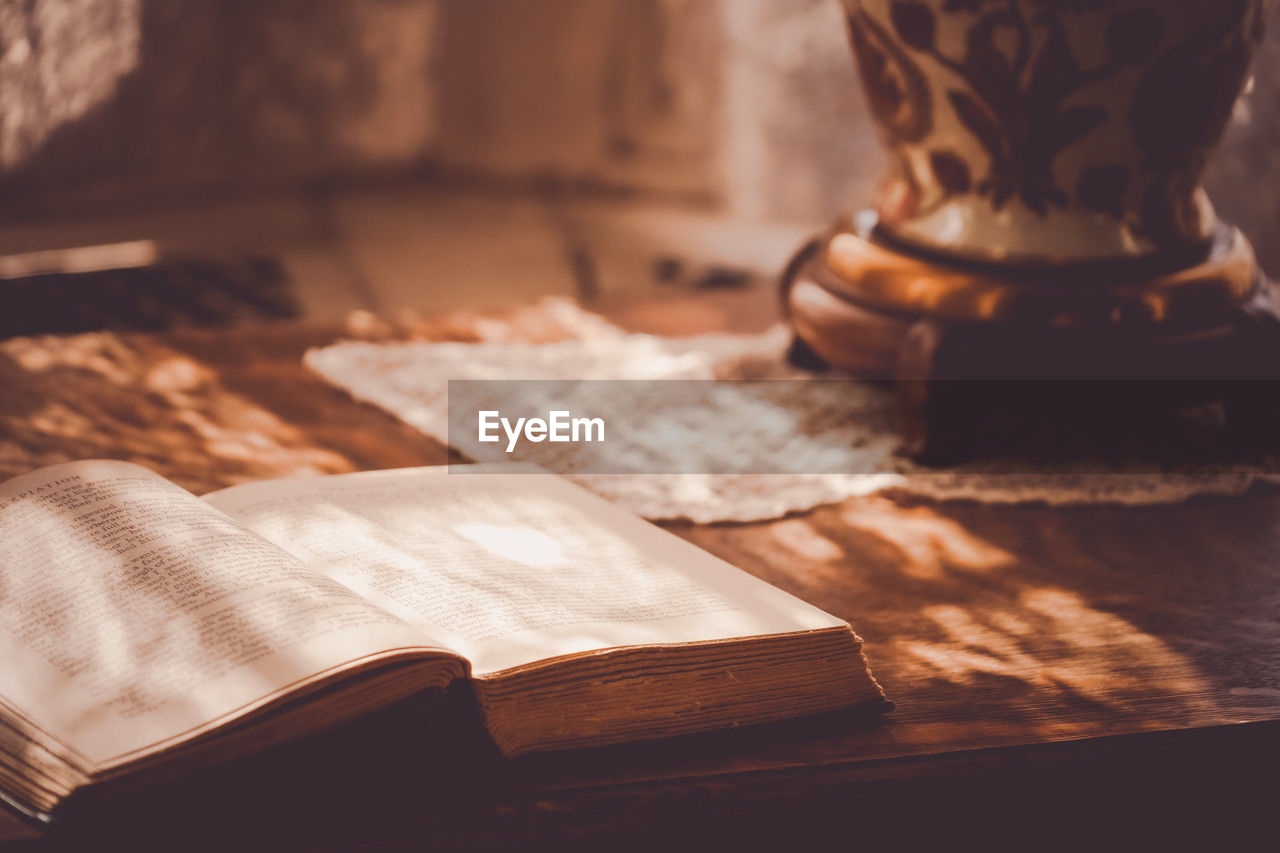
[[745, 107], [745, 104]]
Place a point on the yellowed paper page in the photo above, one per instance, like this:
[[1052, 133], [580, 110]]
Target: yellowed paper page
[[512, 568], [132, 613]]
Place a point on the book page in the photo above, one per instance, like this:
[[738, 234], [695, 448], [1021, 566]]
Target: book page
[[132, 613], [512, 568]]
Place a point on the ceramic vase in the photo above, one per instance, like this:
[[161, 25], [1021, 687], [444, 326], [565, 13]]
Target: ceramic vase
[[1050, 131]]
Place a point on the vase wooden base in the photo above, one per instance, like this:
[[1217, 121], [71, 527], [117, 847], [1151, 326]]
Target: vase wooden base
[[1113, 348]]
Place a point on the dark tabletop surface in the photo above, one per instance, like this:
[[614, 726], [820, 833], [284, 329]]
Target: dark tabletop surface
[[1047, 664]]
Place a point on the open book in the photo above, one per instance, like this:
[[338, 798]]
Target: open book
[[144, 630]]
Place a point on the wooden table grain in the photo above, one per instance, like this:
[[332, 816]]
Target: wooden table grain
[[1051, 667]]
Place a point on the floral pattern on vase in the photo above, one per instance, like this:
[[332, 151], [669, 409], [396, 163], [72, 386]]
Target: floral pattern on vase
[[1051, 130]]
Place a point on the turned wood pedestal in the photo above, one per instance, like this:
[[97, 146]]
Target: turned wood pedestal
[[1112, 347]]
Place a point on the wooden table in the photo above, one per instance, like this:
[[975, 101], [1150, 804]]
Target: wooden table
[[1054, 669]]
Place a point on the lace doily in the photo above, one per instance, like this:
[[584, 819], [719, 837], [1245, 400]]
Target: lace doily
[[854, 421]]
